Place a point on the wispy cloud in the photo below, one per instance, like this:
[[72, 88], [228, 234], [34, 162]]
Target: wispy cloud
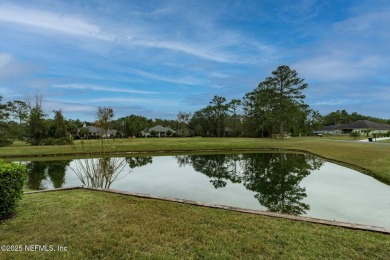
[[124, 100], [104, 89], [336, 102], [188, 80], [51, 21]]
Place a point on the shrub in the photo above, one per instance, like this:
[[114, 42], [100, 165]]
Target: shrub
[[47, 141], [63, 141], [12, 179], [355, 135], [58, 141]]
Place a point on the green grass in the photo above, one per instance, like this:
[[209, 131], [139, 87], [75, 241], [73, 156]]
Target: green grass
[[370, 158], [97, 225]]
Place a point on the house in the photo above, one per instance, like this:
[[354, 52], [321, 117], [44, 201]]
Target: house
[[360, 126], [364, 126], [95, 132], [159, 131], [328, 129]]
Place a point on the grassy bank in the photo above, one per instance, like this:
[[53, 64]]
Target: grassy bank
[[371, 158], [109, 226]]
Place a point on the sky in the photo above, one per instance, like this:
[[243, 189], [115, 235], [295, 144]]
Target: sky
[[156, 58]]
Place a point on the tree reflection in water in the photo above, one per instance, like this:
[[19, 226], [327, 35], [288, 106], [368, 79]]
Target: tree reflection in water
[[99, 172], [39, 171], [102, 172], [275, 177]]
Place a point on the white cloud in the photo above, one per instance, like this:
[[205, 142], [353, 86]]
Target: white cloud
[[5, 59], [337, 67], [12, 68], [51, 21]]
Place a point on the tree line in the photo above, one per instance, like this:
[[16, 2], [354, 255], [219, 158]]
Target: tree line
[[274, 109]]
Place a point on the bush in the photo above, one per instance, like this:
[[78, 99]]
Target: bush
[[63, 141], [47, 141], [58, 141], [12, 179], [355, 135]]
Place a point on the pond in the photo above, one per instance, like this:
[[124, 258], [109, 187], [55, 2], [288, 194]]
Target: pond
[[297, 184]]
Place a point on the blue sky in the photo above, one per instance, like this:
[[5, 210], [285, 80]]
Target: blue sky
[[156, 58]]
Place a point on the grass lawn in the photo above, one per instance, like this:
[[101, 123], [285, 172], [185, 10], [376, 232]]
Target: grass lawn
[[371, 158], [97, 225]]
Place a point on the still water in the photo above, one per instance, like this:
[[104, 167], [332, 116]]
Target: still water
[[294, 184]]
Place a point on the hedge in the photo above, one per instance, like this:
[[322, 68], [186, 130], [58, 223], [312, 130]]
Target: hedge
[[12, 179]]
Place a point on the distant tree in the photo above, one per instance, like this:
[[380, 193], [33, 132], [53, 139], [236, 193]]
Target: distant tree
[[234, 106], [285, 88], [219, 109], [183, 120], [260, 113], [83, 132], [60, 125], [132, 125], [338, 117], [104, 116], [35, 123], [72, 127], [315, 120], [20, 110], [5, 112]]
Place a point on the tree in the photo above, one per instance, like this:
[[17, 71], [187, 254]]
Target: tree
[[35, 123], [260, 113], [105, 115], [20, 110], [5, 112], [234, 105], [59, 124], [219, 110], [132, 125], [285, 89], [183, 120]]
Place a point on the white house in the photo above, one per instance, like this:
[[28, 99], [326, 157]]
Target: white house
[[159, 130]]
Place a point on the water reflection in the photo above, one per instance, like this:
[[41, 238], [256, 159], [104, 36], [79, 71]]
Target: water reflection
[[39, 172], [135, 162], [286, 183], [102, 172], [274, 177], [97, 173]]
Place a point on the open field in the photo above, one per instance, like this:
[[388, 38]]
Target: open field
[[370, 158], [94, 225]]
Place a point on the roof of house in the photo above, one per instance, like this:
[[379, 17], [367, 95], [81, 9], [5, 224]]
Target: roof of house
[[99, 130], [95, 129], [330, 127], [160, 129], [365, 124]]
